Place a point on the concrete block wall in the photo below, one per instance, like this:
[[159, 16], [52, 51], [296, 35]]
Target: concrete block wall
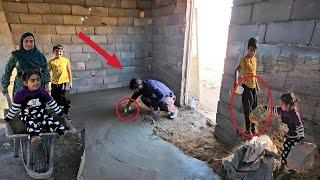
[[168, 33], [288, 57], [116, 25]]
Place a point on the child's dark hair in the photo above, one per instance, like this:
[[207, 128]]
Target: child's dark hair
[[289, 99], [134, 83], [58, 47], [253, 42], [27, 74]]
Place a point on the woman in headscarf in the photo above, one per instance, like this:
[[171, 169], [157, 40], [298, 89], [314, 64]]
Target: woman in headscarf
[[28, 57]]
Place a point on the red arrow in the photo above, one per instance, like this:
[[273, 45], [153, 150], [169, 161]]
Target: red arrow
[[110, 60]]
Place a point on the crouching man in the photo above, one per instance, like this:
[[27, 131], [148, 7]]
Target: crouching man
[[154, 95]]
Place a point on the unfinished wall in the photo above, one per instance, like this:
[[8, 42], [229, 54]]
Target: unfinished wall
[[116, 25], [6, 47], [169, 21], [288, 57]]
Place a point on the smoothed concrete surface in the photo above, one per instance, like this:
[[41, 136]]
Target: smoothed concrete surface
[[115, 150]]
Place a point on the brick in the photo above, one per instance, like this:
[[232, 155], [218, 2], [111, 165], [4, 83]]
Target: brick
[[114, 39], [99, 11], [42, 39], [78, 66], [72, 48], [93, 65], [111, 48], [99, 72], [92, 21], [272, 11], [316, 35], [132, 38], [20, 28], [122, 47], [45, 29], [15, 7], [241, 15], [142, 21], [140, 46], [126, 55], [66, 30], [102, 30], [132, 12], [306, 9], [109, 21], [99, 38], [144, 4], [61, 39], [56, 1], [60, 9], [82, 74], [290, 32], [135, 30], [80, 10], [87, 48], [39, 8], [30, 18], [79, 57], [12, 18], [88, 30], [52, 19], [93, 56], [94, 2], [116, 12], [76, 40], [76, 2], [74, 20], [242, 33], [125, 21], [117, 30]]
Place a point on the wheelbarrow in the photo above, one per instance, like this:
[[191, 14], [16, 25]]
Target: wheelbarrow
[[37, 162]]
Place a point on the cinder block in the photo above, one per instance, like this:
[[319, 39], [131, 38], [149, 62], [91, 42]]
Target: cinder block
[[94, 2], [30, 18], [268, 54], [245, 2], [122, 47], [262, 33], [242, 33], [112, 3], [127, 54], [80, 10], [109, 21], [103, 30], [82, 89], [20, 28], [12, 18], [45, 29], [132, 12], [76, 66], [72, 48], [135, 30], [99, 38], [79, 82], [316, 35], [290, 32], [47, 48], [79, 57], [82, 74], [76, 40], [142, 21], [12, 7], [95, 81], [272, 11], [66, 30], [116, 12], [61, 39], [110, 79], [118, 30], [241, 15], [60, 9], [32, 1], [128, 4], [99, 87], [99, 11], [142, 53], [306, 9], [93, 65], [92, 21], [74, 20], [88, 30], [114, 39], [39, 8], [42, 39], [110, 48], [52, 19], [141, 46], [55, 1], [114, 85], [132, 38], [144, 4], [125, 21], [99, 72], [76, 2]]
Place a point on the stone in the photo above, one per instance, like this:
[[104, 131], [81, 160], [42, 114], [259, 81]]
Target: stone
[[109, 21], [128, 4], [61, 39], [99, 11], [80, 10], [306, 9], [52, 19], [60, 9], [66, 29], [45, 29], [39, 8], [92, 21], [241, 15], [116, 12], [125, 21], [30, 18], [12, 7]]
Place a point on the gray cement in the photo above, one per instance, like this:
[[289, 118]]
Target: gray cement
[[115, 150]]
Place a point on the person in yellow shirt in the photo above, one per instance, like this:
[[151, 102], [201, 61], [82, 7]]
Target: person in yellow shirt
[[61, 77], [248, 66]]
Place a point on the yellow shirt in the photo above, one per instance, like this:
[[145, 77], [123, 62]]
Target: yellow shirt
[[59, 70], [249, 67]]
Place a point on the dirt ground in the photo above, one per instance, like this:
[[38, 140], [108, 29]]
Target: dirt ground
[[193, 134]]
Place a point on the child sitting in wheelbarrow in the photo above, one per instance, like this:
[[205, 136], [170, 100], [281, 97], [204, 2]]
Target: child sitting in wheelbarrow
[[30, 103]]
